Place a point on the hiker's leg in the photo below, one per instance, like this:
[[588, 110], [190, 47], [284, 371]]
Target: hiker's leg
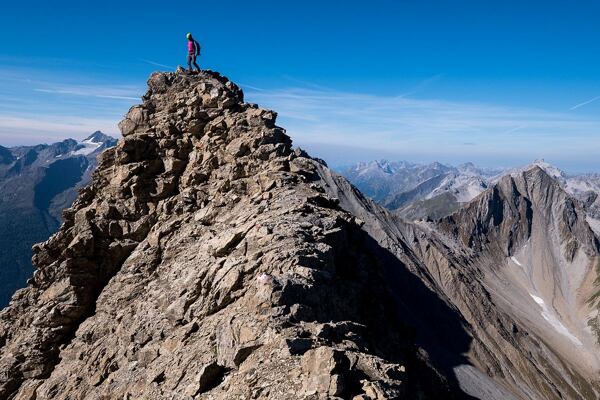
[[195, 64], [189, 62]]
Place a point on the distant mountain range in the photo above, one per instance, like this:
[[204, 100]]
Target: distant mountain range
[[418, 191], [36, 184]]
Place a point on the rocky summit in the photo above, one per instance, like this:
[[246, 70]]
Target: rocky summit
[[208, 259], [205, 260]]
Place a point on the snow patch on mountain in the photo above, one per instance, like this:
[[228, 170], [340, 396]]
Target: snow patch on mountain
[[464, 187], [514, 259], [93, 143], [554, 321], [549, 168], [87, 147]]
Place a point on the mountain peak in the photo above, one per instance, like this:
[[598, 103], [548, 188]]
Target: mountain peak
[[6, 156], [503, 214], [550, 169], [99, 137]]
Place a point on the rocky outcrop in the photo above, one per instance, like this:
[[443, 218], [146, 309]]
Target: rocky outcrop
[[205, 260]]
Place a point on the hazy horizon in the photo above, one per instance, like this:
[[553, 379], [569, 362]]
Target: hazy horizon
[[330, 156]]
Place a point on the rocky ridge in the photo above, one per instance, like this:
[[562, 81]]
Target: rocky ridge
[[206, 261], [485, 219], [538, 257]]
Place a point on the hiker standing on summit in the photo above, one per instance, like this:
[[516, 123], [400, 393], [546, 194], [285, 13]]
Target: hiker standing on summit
[[193, 52]]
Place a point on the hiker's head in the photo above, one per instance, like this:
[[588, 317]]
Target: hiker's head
[[188, 36]]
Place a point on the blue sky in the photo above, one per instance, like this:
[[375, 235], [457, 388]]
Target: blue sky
[[452, 81]]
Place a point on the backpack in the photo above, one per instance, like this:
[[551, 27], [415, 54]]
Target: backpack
[[197, 47]]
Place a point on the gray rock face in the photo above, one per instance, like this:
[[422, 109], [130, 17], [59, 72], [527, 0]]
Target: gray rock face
[[504, 216], [206, 261]]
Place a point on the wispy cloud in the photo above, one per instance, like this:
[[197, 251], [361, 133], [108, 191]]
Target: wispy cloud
[[427, 127], [59, 125], [42, 106], [157, 64], [251, 87], [84, 92], [21, 82], [423, 85], [585, 103], [121, 92], [516, 128]]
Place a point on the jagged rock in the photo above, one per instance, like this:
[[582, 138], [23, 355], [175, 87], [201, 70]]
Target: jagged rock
[[321, 365], [210, 375]]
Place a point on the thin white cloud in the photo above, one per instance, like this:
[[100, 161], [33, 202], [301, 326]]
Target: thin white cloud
[[41, 106], [116, 93], [252, 88], [312, 114], [516, 128], [157, 64], [426, 126], [423, 84], [585, 103], [20, 83], [102, 96]]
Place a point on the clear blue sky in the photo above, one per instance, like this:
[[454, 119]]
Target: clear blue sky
[[497, 83]]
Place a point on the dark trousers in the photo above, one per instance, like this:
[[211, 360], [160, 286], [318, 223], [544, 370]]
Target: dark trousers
[[191, 60]]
